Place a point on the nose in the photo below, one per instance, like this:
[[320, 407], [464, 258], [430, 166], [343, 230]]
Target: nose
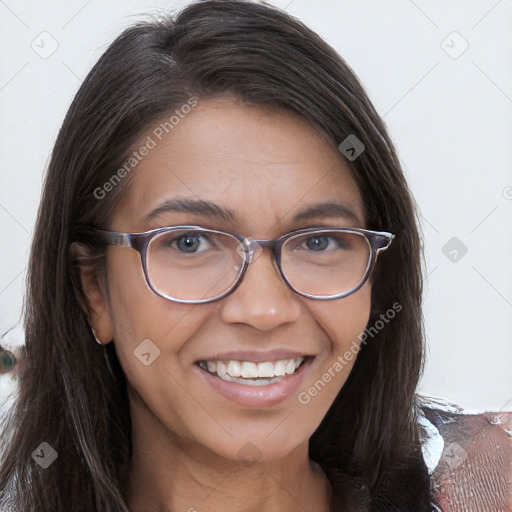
[[262, 300]]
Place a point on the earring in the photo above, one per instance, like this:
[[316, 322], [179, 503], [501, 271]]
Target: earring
[[96, 337]]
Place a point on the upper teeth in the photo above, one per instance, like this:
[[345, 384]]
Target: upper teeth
[[249, 369]]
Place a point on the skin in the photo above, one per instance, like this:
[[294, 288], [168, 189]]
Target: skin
[[265, 166]]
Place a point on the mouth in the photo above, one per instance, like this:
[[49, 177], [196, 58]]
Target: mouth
[[252, 373]]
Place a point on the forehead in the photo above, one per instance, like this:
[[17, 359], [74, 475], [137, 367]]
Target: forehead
[[254, 162]]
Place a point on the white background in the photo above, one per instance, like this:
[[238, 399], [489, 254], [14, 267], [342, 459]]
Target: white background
[[448, 112]]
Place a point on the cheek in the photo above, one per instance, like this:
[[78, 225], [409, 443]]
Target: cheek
[[137, 313], [343, 322], [152, 340], [150, 332]]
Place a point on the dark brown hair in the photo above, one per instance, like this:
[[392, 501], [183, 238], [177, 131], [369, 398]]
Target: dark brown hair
[[72, 392]]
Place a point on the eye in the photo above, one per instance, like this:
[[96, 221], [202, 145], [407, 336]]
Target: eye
[[324, 242], [317, 243], [190, 243]]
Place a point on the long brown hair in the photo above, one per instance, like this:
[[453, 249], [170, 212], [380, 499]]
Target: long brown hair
[[72, 392]]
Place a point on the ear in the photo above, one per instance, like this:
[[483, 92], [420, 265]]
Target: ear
[[91, 288]]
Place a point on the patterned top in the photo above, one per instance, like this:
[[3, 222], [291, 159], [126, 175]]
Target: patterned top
[[469, 457]]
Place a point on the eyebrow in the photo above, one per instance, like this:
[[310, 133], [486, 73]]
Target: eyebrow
[[209, 209], [327, 209], [198, 206]]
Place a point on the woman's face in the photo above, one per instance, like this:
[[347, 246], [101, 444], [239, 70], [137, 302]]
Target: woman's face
[[266, 169]]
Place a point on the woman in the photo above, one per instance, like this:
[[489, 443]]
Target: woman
[[225, 214]]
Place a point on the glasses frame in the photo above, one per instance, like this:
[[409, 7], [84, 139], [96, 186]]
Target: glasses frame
[[377, 240]]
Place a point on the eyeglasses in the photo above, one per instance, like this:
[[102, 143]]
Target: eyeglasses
[[195, 265]]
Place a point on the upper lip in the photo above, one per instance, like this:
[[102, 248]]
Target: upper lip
[[256, 356]]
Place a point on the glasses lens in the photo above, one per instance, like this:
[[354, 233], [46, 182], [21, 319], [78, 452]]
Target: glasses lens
[[192, 264], [326, 263]]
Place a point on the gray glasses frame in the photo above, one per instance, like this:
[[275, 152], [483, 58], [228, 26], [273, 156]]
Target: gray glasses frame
[[377, 240]]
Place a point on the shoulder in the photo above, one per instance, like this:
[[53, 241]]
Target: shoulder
[[469, 456]]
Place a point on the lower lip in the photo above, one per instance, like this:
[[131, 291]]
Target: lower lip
[[257, 396]]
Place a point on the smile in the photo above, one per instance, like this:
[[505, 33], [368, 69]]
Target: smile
[[251, 373]]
